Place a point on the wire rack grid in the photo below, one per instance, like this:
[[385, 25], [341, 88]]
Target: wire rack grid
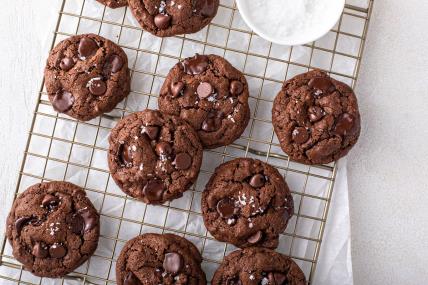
[[61, 148]]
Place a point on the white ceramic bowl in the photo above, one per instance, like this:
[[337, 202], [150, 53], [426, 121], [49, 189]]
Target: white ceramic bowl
[[314, 32]]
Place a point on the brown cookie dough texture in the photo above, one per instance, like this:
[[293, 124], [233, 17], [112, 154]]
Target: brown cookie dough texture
[[53, 228], [316, 118], [253, 266], [159, 259], [86, 76], [247, 203], [154, 157], [173, 17], [114, 3], [211, 95]]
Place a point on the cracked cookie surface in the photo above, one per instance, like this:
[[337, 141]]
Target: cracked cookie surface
[[159, 259], [173, 17], [114, 3], [316, 118], [211, 95], [86, 76], [252, 266], [247, 203], [53, 228], [154, 157]]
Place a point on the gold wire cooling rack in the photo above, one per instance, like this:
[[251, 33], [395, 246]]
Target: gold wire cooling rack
[[61, 148]]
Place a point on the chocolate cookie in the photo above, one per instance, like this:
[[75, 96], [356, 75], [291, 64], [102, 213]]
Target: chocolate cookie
[[53, 228], [316, 118], [211, 95], [253, 266], [168, 18], [247, 203], [86, 76], [114, 3], [159, 259], [154, 157]]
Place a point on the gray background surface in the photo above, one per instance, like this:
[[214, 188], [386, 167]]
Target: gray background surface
[[387, 169]]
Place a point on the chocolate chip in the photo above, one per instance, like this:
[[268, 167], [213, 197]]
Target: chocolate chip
[[131, 279], [97, 86], [276, 278], [113, 64], [87, 47], [21, 222], [50, 201], [204, 90], [90, 219], [40, 250], [176, 88], [57, 250], [322, 84], [236, 87], [163, 149], [62, 101], [300, 135], [162, 21], [226, 208], [124, 156], [75, 223], [209, 8], [344, 124], [66, 63], [255, 238], [212, 122], [195, 65], [173, 262], [153, 190], [315, 113], [182, 161], [257, 181], [233, 281], [151, 131]]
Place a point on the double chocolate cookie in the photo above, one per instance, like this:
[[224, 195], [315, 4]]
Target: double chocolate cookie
[[86, 76], [53, 228], [247, 203], [114, 3], [154, 157], [316, 118], [159, 259], [253, 266], [173, 17], [211, 95]]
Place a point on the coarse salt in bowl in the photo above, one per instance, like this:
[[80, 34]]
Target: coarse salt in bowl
[[291, 22]]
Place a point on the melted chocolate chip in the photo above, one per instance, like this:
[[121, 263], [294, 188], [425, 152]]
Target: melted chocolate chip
[[209, 8], [97, 86], [153, 190], [204, 90], [226, 208], [344, 124], [40, 250], [50, 201], [236, 87], [315, 113], [195, 65], [87, 47], [151, 131], [75, 223], [173, 262], [131, 279], [162, 21], [22, 222], [163, 149], [90, 219], [66, 63], [57, 250], [322, 84], [177, 88], [300, 135], [277, 278], [124, 156], [113, 64], [182, 161], [257, 181], [62, 101], [212, 122], [255, 238]]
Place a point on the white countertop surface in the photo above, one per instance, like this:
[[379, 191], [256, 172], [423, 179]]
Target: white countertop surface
[[387, 168]]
